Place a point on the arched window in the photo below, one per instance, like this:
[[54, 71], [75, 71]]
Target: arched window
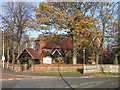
[[37, 48]]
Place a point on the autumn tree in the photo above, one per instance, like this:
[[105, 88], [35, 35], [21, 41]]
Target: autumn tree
[[66, 16], [115, 35], [1, 45], [119, 31], [14, 18], [103, 13]]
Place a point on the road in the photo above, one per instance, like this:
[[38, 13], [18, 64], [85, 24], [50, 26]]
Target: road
[[38, 80], [58, 82]]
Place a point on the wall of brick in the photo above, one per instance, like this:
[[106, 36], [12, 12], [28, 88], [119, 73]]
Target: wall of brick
[[101, 68], [66, 68], [56, 67], [46, 67], [15, 68]]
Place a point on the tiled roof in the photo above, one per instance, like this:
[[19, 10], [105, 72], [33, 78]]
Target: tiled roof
[[31, 52], [61, 43], [65, 43]]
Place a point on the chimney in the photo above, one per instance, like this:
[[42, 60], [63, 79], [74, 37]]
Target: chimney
[[32, 45], [26, 45]]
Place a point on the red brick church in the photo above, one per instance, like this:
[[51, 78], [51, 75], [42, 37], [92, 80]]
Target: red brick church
[[57, 48]]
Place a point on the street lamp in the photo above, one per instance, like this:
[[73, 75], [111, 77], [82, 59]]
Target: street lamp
[[84, 57], [3, 57], [84, 54]]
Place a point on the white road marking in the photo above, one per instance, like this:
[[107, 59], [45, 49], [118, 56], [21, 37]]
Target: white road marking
[[10, 79]]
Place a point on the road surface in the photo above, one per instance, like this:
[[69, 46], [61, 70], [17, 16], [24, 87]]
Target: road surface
[[58, 82], [37, 80]]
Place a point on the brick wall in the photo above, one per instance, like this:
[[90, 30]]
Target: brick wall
[[46, 67], [17, 68], [67, 68], [56, 67], [13, 67]]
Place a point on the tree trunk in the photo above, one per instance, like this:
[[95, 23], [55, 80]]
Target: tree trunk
[[74, 50], [19, 40], [65, 56], [96, 58], [12, 46], [116, 60], [13, 57], [18, 48]]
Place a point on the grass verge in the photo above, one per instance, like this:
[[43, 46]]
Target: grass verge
[[55, 72], [104, 73]]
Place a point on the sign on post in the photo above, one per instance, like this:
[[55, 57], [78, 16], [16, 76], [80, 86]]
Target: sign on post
[[47, 60], [3, 59]]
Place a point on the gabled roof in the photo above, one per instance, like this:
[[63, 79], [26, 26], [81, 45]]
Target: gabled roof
[[56, 51], [40, 37], [31, 52], [61, 43]]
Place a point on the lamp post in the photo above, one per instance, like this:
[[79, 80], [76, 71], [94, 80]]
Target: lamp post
[[84, 57], [3, 57], [84, 54]]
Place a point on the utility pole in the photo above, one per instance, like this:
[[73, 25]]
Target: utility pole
[[3, 57], [84, 57]]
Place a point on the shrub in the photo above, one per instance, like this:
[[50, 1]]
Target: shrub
[[69, 60], [30, 62], [108, 61]]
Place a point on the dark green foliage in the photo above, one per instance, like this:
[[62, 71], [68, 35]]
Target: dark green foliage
[[69, 60], [108, 60], [118, 59], [56, 60], [36, 61]]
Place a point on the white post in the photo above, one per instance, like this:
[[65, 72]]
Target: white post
[[84, 58], [3, 57]]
